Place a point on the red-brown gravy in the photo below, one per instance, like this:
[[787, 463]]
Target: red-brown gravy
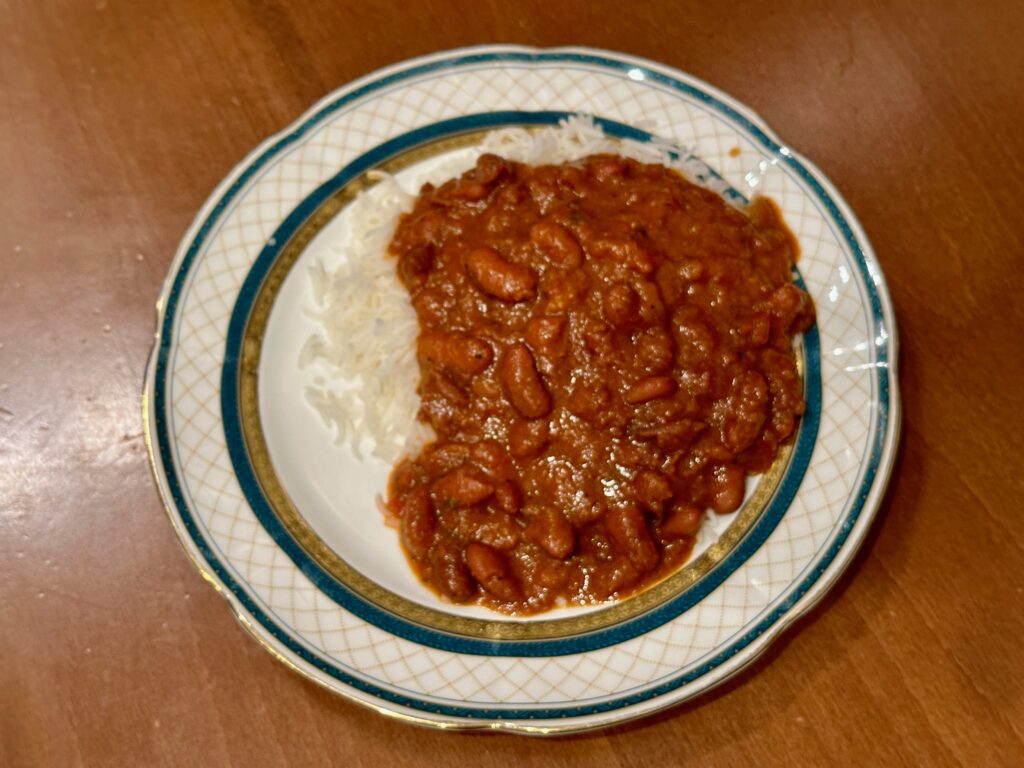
[[606, 351]]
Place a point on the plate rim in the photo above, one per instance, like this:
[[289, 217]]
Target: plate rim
[[799, 606]]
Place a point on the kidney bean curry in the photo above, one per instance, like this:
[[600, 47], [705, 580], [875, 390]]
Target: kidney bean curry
[[606, 352]]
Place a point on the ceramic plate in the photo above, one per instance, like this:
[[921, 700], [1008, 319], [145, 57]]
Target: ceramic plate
[[282, 520]]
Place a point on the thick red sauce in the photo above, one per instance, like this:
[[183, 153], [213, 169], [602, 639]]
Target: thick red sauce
[[606, 352]]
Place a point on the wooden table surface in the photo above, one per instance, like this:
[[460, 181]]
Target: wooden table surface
[[117, 120]]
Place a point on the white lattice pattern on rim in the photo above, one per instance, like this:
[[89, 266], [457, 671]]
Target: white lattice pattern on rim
[[370, 653]]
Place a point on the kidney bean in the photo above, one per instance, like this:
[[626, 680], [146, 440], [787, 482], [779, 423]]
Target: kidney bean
[[523, 387], [571, 177], [494, 528], [557, 243], [614, 577], [670, 284], [508, 497], [584, 513], [655, 350], [511, 194], [418, 522], [650, 388], [550, 530], [462, 487], [682, 520], [425, 227], [449, 572], [624, 251], [652, 489], [471, 190], [678, 434], [443, 457], [414, 265], [695, 339], [489, 168], [490, 568], [527, 438], [449, 391], [620, 305], [477, 183], [455, 351], [755, 332], [652, 307], [640, 259], [499, 277], [402, 477], [593, 541], [628, 531], [492, 458], [791, 308], [546, 335], [786, 391], [600, 342], [746, 410], [430, 307], [727, 487], [607, 167]]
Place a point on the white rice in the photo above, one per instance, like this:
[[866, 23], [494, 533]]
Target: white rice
[[361, 364]]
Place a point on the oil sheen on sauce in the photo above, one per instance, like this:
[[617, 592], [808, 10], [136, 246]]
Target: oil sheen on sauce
[[606, 352]]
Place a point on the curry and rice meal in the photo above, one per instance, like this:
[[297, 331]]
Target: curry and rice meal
[[604, 352]]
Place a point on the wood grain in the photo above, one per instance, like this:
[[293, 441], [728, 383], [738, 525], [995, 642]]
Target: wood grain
[[118, 118]]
